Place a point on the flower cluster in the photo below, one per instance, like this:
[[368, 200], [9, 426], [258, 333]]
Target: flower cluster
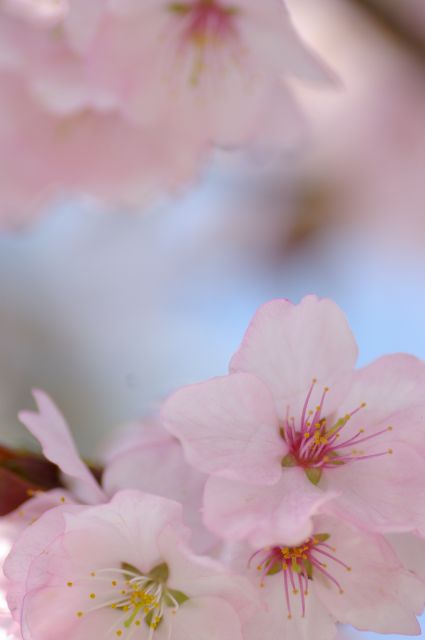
[[120, 99], [277, 501]]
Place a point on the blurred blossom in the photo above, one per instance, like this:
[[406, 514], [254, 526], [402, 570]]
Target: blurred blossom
[[368, 147], [123, 100], [102, 154]]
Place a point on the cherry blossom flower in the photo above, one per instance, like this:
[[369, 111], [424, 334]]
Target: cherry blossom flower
[[144, 456], [110, 570], [289, 428], [122, 100], [338, 575], [169, 62]]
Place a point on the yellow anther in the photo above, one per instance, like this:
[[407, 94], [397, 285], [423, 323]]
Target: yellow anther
[[80, 614], [92, 596], [390, 429], [69, 584]]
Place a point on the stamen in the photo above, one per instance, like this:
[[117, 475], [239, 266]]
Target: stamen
[[299, 565], [137, 598], [315, 446]]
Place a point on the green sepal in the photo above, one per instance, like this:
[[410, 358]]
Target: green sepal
[[178, 596], [129, 568], [179, 7], [308, 568], [275, 568], [321, 537], [149, 617], [313, 474], [289, 461], [295, 566], [159, 573]]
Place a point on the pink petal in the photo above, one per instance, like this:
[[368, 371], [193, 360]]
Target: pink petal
[[269, 32], [133, 435], [203, 576], [125, 529], [30, 545], [393, 389], [228, 427], [289, 345], [50, 609], [379, 595], [158, 467], [273, 624], [383, 494], [51, 430], [410, 550], [206, 617], [281, 514]]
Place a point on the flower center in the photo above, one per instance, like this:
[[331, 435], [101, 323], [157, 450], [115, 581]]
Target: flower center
[[316, 445], [207, 23], [299, 565], [138, 599]]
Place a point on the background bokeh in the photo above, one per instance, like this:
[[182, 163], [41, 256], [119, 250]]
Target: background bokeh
[[108, 312]]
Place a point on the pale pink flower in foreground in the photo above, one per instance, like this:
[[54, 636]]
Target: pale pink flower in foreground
[[144, 456], [338, 575], [120, 570], [288, 428]]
